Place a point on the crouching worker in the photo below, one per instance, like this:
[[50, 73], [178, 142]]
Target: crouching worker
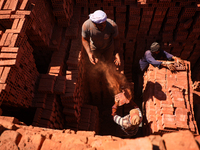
[[129, 123], [156, 53]]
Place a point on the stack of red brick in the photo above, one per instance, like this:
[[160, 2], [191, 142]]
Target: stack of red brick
[[89, 118], [49, 111], [42, 24], [168, 101], [18, 69], [63, 11]]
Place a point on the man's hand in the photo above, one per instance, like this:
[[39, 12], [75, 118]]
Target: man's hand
[[179, 60], [117, 60], [92, 58], [171, 67]]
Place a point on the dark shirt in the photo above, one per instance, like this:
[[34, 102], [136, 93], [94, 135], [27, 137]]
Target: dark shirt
[[149, 58]]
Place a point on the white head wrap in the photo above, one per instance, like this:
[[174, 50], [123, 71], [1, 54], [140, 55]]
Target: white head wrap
[[98, 16]]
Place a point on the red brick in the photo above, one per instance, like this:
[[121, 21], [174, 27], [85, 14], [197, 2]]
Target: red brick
[[182, 124], [13, 40], [50, 144], [8, 144], [9, 49], [128, 144], [157, 141], [167, 110], [3, 39], [5, 74], [182, 118], [7, 3], [159, 125], [13, 5], [181, 111], [8, 125], [10, 119], [1, 4], [11, 136], [4, 16], [31, 141], [169, 125], [177, 140], [1, 70], [180, 104]]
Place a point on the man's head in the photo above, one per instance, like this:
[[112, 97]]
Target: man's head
[[134, 117], [99, 19], [155, 47]]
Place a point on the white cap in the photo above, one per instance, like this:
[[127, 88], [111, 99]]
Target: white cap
[[98, 16]]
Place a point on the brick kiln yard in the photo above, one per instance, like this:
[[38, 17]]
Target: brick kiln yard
[[44, 91]]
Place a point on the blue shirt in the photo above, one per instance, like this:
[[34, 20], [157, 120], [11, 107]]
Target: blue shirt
[[149, 58]]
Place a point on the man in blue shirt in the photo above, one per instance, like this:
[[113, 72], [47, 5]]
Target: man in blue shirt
[[155, 53]]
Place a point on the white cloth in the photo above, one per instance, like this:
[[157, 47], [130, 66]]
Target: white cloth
[[98, 16]]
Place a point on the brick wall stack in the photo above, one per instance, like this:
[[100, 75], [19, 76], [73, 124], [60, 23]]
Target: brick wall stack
[[72, 31], [18, 69], [89, 118], [72, 101], [109, 10], [48, 111], [53, 85], [170, 97], [42, 23], [63, 11], [193, 36], [61, 84], [121, 20]]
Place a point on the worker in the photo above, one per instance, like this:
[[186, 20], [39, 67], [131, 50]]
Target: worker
[[156, 53], [100, 38], [129, 123], [100, 52]]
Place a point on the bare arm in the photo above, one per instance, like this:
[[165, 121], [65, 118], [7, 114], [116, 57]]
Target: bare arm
[[117, 60], [114, 109], [86, 45]]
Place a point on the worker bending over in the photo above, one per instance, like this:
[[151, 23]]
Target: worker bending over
[[100, 38], [129, 123], [156, 53]]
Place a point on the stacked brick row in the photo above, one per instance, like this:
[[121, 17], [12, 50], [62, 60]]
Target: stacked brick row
[[72, 100], [89, 118], [131, 33], [170, 97], [48, 103], [97, 3], [121, 20], [48, 111], [63, 11], [57, 64], [42, 23], [109, 10], [18, 70], [60, 85], [193, 36]]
